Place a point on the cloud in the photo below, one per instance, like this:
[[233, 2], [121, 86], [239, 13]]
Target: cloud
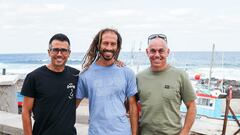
[[181, 20], [123, 13], [39, 8], [7, 27], [180, 12]]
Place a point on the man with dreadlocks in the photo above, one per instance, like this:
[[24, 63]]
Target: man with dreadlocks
[[107, 86]]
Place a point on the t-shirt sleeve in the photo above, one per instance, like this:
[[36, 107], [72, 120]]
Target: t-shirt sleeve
[[187, 91], [131, 84], [29, 86], [81, 89]]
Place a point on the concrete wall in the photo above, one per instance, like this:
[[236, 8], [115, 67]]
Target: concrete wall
[[11, 124], [8, 98], [3, 133]]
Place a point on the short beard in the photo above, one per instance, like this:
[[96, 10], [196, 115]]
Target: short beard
[[101, 52]]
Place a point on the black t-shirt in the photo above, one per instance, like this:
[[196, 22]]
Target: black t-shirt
[[54, 108]]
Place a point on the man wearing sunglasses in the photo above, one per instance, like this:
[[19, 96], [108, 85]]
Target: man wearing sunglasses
[[161, 89], [49, 93]]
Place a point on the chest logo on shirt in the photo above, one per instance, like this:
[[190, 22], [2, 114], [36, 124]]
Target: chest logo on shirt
[[70, 87], [166, 86]]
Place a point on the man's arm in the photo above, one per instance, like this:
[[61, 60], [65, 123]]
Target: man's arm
[[26, 115], [190, 117], [78, 101], [133, 114]]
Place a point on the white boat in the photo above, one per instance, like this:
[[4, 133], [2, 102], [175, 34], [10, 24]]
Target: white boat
[[210, 115], [211, 104]]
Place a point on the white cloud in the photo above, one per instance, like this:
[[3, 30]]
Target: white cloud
[[180, 12], [7, 27], [39, 8], [55, 7], [123, 13], [183, 21]]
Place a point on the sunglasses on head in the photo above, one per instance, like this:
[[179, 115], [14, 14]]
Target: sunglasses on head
[[153, 36]]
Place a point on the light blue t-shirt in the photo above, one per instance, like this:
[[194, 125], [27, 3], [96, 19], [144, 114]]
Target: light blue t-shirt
[[107, 88]]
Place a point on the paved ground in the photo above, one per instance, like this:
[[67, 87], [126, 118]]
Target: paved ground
[[82, 119], [82, 129], [12, 123]]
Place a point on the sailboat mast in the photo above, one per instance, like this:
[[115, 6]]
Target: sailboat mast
[[139, 52], [211, 65], [223, 90]]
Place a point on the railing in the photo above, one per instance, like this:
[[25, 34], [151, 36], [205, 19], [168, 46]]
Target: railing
[[228, 108]]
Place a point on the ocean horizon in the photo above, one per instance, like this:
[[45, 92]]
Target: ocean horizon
[[225, 65]]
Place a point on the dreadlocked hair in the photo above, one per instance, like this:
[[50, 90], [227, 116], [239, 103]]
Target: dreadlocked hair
[[93, 51]]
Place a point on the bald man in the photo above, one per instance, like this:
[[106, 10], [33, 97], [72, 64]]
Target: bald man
[[161, 90]]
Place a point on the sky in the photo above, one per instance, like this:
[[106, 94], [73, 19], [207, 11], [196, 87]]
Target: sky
[[190, 25]]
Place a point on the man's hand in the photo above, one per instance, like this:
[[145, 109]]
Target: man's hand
[[119, 63]]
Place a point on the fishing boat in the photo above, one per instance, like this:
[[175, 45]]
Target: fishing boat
[[211, 113], [19, 102], [211, 106]]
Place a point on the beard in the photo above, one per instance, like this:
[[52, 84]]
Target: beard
[[107, 57]]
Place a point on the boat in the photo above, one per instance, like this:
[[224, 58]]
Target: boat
[[211, 106], [19, 102], [211, 113]]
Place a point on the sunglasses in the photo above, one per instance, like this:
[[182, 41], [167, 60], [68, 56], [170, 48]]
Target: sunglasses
[[153, 36], [154, 51], [57, 50]]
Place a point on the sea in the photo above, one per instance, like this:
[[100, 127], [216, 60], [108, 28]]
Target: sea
[[226, 65]]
